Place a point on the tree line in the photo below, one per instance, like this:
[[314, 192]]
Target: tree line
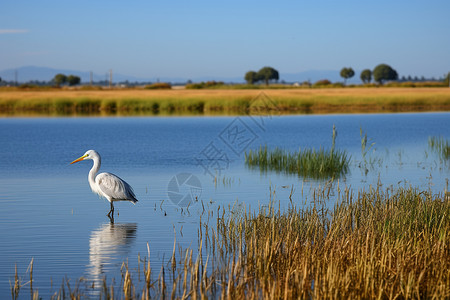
[[264, 74], [71, 80], [380, 74]]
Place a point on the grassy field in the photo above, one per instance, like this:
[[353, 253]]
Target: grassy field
[[372, 245], [221, 101]]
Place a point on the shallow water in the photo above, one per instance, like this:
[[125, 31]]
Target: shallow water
[[49, 214]]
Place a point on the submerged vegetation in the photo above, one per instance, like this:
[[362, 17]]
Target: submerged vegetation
[[376, 245], [159, 99]]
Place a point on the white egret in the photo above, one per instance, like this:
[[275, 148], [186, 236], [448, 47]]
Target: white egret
[[107, 185]]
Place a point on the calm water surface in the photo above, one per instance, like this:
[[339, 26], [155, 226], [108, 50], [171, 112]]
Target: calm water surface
[[49, 214]]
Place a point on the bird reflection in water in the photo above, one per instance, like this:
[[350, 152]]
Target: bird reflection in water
[[109, 246]]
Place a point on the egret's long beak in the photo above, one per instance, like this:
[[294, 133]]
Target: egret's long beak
[[79, 159]]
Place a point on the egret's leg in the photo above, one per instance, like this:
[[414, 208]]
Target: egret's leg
[[111, 213], [111, 219], [112, 210]]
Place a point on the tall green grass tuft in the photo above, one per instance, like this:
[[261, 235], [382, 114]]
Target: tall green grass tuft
[[309, 163]]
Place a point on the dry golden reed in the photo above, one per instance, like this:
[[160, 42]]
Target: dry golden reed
[[371, 245]]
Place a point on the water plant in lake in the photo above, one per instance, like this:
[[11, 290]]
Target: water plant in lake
[[441, 146], [310, 163], [366, 146]]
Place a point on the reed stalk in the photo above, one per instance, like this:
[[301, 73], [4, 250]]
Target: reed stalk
[[373, 244]]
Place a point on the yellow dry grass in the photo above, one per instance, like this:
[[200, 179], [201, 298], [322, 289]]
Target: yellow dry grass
[[301, 100], [373, 245], [202, 93]]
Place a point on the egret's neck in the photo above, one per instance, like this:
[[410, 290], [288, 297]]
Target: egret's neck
[[93, 172]]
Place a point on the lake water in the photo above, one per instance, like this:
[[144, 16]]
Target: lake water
[[177, 166]]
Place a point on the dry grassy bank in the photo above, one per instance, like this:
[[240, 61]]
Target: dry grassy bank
[[148, 102]]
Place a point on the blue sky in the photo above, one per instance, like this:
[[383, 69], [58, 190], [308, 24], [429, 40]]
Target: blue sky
[[204, 38]]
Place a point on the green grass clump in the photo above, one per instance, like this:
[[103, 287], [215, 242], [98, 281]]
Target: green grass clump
[[310, 163], [134, 106]]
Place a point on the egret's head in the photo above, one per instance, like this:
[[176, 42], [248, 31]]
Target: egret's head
[[90, 154]]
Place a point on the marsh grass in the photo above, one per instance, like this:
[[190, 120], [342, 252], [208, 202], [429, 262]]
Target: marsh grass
[[373, 245], [366, 144], [441, 146], [220, 101], [18, 283], [309, 163], [369, 161]]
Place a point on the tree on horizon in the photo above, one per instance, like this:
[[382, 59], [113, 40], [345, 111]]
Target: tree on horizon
[[366, 76], [347, 73], [268, 73], [59, 79], [73, 80], [384, 72], [251, 77]]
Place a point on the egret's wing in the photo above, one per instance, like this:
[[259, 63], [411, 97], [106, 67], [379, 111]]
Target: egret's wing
[[115, 187]]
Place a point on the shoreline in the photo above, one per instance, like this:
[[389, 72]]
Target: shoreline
[[218, 102]]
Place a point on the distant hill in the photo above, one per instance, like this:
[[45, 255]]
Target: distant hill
[[315, 75], [31, 73]]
